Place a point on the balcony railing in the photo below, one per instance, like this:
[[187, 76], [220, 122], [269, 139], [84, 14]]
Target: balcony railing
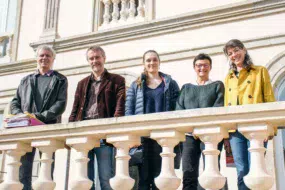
[[122, 12], [211, 125]]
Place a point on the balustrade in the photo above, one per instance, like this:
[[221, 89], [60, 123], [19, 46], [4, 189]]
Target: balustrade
[[6, 47], [47, 147], [122, 12], [168, 129]]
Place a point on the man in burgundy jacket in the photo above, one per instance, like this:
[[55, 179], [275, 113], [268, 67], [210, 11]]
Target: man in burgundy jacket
[[100, 95]]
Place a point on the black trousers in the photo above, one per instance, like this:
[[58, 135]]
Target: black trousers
[[191, 153]]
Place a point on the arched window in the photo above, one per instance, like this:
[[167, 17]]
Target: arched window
[[277, 72]]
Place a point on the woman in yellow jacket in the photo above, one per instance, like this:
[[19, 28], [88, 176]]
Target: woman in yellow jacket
[[244, 84]]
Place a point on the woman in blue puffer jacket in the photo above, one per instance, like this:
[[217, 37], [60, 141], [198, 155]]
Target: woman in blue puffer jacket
[[152, 92]]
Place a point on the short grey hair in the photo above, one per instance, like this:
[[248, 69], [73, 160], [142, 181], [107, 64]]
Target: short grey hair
[[95, 48], [45, 47]]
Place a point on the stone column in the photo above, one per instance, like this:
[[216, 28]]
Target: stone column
[[51, 20], [116, 12], [141, 9], [122, 179], [211, 177], [132, 9], [14, 151], [257, 178], [167, 179], [47, 147], [82, 145], [106, 16], [124, 11]]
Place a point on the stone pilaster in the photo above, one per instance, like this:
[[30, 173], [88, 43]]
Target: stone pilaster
[[51, 20]]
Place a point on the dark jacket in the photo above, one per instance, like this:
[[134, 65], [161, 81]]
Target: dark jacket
[[110, 99], [54, 101], [135, 95]]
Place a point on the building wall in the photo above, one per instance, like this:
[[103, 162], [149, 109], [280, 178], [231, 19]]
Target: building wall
[[179, 30]]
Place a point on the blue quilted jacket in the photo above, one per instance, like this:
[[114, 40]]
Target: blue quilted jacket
[[135, 95]]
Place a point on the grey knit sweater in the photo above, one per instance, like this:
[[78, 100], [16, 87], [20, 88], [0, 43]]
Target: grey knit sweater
[[194, 96]]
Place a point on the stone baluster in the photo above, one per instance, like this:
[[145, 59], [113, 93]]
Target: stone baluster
[[47, 147], [141, 11], [211, 177], [9, 47], [122, 179], [132, 9], [116, 12], [124, 11], [257, 178], [106, 16], [167, 179], [14, 151], [82, 145]]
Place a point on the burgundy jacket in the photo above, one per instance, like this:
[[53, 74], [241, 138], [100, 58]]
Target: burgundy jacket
[[111, 97]]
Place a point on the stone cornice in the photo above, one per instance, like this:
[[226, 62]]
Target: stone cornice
[[183, 121], [215, 49], [18, 67], [7, 93], [222, 14], [30, 65]]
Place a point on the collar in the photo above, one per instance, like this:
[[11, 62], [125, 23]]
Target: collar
[[252, 67], [104, 74], [207, 82], [49, 73]]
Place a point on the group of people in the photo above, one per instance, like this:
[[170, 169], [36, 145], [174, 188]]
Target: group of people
[[103, 95]]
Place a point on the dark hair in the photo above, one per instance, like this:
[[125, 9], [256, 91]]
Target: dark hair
[[95, 48], [144, 73], [237, 43], [202, 56]]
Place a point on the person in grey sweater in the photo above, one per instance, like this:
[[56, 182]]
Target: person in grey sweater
[[204, 93]]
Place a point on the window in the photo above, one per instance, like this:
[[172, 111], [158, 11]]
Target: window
[[8, 11]]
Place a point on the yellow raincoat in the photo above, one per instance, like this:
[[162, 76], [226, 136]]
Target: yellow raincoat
[[251, 87]]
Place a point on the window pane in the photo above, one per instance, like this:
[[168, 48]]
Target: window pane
[[3, 15], [11, 20], [8, 11]]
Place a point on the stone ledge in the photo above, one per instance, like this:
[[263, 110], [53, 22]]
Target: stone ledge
[[183, 121], [8, 92], [22, 66], [196, 19], [214, 49]]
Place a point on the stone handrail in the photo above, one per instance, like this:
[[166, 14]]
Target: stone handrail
[[211, 125]]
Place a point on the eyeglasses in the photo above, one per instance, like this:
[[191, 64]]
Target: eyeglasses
[[206, 66]]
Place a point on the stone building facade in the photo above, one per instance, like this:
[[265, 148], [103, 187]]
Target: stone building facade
[[177, 30]]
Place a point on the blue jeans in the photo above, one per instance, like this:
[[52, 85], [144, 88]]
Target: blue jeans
[[105, 159], [239, 146], [26, 169], [191, 153]]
